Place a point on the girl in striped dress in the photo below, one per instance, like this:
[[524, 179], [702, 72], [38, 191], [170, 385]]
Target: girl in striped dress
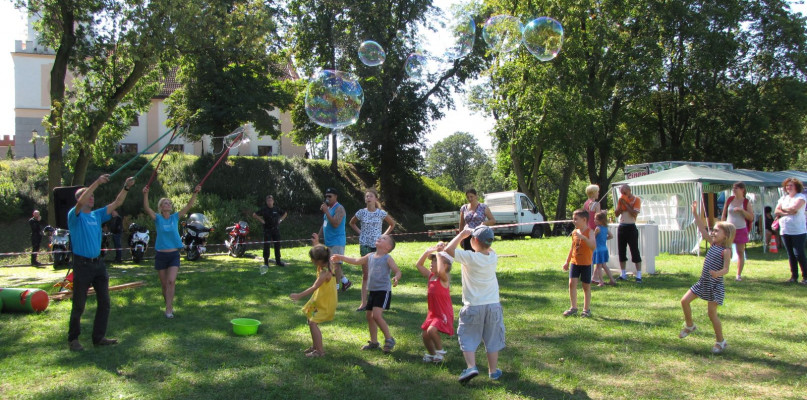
[[710, 286]]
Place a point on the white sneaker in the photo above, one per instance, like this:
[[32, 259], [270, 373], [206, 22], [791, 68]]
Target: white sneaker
[[427, 358]]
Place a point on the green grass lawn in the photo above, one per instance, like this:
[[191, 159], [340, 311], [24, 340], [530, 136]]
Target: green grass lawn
[[628, 350]]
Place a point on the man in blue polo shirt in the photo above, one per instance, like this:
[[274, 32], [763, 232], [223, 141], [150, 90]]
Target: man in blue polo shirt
[[88, 266]]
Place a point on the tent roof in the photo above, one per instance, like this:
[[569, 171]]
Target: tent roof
[[689, 173]]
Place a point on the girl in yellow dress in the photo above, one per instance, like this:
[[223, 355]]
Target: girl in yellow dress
[[322, 305]]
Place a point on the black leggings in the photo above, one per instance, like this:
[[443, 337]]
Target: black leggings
[[794, 244], [628, 235]]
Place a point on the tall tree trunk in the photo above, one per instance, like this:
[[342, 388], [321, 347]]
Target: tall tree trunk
[[334, 166], [563, 196], [57, 87]]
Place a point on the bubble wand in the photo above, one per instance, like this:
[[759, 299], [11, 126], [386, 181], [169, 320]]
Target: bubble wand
[[164, 152], [237, 137], [112, 175]]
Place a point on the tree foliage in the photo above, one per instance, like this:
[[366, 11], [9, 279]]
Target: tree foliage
[[232, 71], [455, 160], [397, 110]]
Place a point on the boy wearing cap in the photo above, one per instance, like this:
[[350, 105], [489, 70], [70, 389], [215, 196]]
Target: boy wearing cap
[[481, 318]]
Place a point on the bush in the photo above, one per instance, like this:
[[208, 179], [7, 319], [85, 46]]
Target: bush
[[9, 201]]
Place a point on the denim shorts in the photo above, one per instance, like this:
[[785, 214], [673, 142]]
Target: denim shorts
[[165, 260], [484, 323]]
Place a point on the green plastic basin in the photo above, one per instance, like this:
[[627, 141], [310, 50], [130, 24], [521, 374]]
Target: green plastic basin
[[245, 326]]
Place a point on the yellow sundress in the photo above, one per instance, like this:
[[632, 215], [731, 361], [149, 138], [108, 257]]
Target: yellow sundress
[[322, 305]]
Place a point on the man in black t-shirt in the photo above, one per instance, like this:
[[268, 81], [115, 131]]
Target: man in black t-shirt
[[271, 217], [36, 236]]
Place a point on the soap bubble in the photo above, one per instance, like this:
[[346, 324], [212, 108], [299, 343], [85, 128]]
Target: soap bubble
[[416, 67], [502, 33], [264, 269], [400, 35], [454, 37], [333, 99], [371, 54], [543, 38]]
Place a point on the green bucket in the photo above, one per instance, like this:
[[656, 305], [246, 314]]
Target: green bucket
[[245, 326]]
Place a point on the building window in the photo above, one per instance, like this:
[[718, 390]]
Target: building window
[[265, 151], [126, 148], [180, 148], [135, 121]]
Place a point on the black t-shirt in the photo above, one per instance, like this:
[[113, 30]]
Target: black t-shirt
[[115, 225], [271, 216], [36, 228]]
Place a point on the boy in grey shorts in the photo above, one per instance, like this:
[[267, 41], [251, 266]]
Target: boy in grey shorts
[[481, 317]]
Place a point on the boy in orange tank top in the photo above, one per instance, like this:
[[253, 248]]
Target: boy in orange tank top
[[583, 245]]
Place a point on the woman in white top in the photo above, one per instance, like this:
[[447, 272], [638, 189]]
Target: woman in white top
[[793, 227], [739, 212]]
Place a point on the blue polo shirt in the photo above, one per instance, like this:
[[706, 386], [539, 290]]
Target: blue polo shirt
[[85, 231]]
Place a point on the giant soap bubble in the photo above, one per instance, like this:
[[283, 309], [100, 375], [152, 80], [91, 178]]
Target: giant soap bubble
[[502, 33], [543, 37], [333, 99], [371, 54]]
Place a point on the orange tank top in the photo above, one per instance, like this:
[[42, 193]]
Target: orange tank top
[[581, 253]]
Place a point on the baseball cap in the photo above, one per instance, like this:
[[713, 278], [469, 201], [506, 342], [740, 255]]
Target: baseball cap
[[483, 234], [331, 191]]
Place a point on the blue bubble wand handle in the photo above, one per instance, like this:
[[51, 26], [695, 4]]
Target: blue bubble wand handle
[[112, 175]]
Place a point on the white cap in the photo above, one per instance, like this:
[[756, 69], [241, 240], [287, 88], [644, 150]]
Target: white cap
[[446, 256]]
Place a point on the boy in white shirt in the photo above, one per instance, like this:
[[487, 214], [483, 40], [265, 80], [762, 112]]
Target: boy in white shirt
[[481, 317]]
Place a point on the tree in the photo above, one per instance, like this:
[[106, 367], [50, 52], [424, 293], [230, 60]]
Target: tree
[[456, 158], [232, 71], [397, 110], [112, 46]]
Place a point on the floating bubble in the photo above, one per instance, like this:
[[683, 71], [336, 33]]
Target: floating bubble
[[371, 54], [416, 67], [543, 37], [502, 33], [264, 269], [400, 35], [454, 37], [333, 99]]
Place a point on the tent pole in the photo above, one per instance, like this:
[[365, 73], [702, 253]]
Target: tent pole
[[700, 208]]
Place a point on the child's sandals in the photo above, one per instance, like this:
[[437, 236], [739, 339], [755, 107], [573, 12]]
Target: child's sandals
[[687, 330], [370, 346], [315, 353], [308, 350], [719, 347], [586, 314], [389, 344], [570, 312]]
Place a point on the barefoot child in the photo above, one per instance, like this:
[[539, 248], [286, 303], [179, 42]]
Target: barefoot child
[[379, 264], [600, 255], [322, 305], [710, 286], [580, 253], [440, 317]]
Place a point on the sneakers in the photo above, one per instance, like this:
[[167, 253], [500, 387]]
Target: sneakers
[[280, 263], [495, 375], [622, 278], [687, 330], [346, 286], [370, 346], [467, 375], [105, 342], [75, 345], [570, 312], [169, 315], [638, 280], [436, 358], [719, 347], [389, 344]]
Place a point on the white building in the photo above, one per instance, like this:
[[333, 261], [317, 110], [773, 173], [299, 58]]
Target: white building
[[30, 64]]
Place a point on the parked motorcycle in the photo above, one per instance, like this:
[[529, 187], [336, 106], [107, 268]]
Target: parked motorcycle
[[59, 245], [138, 241], [197, 229], [237, 238]]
